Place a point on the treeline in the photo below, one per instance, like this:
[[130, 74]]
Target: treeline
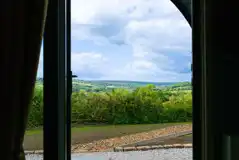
[[121, 106], [181, 86]]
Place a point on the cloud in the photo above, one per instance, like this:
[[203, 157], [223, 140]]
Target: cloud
[[145, 71], [92, 11], [88, 65], [101, 18], [152, 28], [152, 38], [159, 35]]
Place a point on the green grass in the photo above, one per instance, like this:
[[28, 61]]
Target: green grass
[[188, 135], [92, 128]]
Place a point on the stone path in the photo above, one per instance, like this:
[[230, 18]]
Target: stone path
[[151, 147]]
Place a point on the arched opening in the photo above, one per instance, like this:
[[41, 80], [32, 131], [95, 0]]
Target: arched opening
[[101, 34]]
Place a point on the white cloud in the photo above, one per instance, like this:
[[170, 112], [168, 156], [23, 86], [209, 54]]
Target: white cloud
[[100, 14], [88, 65], [91, 11], [144, 71], [142, 64], [159, 34], [91, 60], [152, 28]]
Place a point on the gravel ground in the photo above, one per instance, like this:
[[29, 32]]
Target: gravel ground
[[107, 144], [167, 154]]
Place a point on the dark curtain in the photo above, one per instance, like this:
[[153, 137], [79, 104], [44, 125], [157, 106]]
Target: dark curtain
[[21, 24]]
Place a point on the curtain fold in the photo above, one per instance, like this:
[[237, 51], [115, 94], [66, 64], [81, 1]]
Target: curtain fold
[[22, 24]]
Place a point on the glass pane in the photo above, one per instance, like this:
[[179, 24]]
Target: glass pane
[[133, 62]]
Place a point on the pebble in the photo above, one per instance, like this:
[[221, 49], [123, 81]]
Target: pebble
[[162, 154]]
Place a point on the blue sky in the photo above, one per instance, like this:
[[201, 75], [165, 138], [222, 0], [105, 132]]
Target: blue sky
[[140, 40]]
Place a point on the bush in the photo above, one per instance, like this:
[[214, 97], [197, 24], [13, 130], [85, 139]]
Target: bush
[[35, 117], [121, 106]]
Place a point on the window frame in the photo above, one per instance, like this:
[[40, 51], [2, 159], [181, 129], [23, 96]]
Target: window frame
[[57, 82]]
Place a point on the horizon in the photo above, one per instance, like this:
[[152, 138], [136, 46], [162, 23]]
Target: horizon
[[125, 81]]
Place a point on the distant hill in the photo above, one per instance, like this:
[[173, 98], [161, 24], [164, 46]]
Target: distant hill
[[181, 86], [104, 85], [139, 83]]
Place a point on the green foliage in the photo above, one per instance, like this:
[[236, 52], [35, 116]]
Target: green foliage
[[35, 118], [105, 86], [145, 104]]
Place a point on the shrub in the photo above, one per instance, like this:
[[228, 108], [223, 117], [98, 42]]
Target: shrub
[[121, 106]]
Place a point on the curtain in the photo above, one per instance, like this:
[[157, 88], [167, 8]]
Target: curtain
[[22, 24]]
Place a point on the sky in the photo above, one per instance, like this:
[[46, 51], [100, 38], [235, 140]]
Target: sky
[[135, 40]]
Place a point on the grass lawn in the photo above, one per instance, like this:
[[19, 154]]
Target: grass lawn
[[188, 135], [85, 133]]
